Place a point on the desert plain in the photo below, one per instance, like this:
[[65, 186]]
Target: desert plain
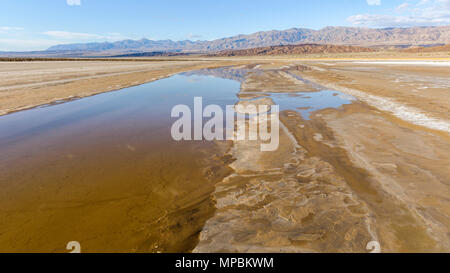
[[373, 169]]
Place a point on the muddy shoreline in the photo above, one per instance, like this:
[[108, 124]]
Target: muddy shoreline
[[28, 85], [318, 194], [346, 173], [105, 171]]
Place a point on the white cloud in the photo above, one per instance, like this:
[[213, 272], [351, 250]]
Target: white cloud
[[396, 21], [25, 44], [423, 2], [11, 28], [420, 13], [403, 6], [78, 36], [373, 2], [20, 41], [73, 2], [192, 36], [71, 35]]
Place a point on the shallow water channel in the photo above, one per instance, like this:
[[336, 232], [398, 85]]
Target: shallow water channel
[[104, 170]]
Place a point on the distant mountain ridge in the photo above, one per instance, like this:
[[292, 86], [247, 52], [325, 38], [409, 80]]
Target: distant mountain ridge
[[413, 36], [442, 48], [294, 50]]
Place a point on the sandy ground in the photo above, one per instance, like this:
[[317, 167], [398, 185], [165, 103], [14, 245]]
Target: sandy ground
[[27, 84], [416, 93], [373, 170], [288, 200], [345, 177]]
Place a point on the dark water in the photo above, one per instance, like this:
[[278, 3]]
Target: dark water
[[147, 106], [303, 102], [105, 171]]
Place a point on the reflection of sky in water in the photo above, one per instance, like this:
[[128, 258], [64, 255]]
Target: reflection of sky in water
[[224, 73], [147, 105], [303, 102], [307, 102]]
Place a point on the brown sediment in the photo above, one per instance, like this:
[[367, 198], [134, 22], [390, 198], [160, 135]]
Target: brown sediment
[[247, 106], [400, 164], [406, 162], [410, 167], [420, 87], [289, 200], [24, 85], [284, 201], [390, 214], [346, 177], [113, 180], [274, 81], [138, 197], [251, 95]]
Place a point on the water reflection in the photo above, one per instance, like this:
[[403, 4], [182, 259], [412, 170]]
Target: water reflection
[[105, 171], [303, 102], [308, 102]]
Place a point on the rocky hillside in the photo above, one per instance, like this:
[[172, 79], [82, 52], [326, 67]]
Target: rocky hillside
[[294, 49], [329, 35], [444, 48]]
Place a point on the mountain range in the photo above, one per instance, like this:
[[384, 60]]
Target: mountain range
[[368, 37], [293, 50]]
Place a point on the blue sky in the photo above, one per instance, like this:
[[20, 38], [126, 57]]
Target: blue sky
[[38, 24]]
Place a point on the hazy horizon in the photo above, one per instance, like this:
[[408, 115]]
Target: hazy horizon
[[146, 38], [27, 27]]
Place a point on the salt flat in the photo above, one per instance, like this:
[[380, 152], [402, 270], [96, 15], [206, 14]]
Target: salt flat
[[373, 167]]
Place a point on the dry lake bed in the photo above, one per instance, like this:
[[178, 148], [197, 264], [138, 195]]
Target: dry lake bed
[[87, 155]]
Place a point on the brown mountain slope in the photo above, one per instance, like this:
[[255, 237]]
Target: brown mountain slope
[[328, 35], [443, 48], [294, 50], [336, 36]]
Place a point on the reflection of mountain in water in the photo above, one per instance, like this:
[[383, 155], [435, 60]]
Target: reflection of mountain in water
[[225, 73]]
